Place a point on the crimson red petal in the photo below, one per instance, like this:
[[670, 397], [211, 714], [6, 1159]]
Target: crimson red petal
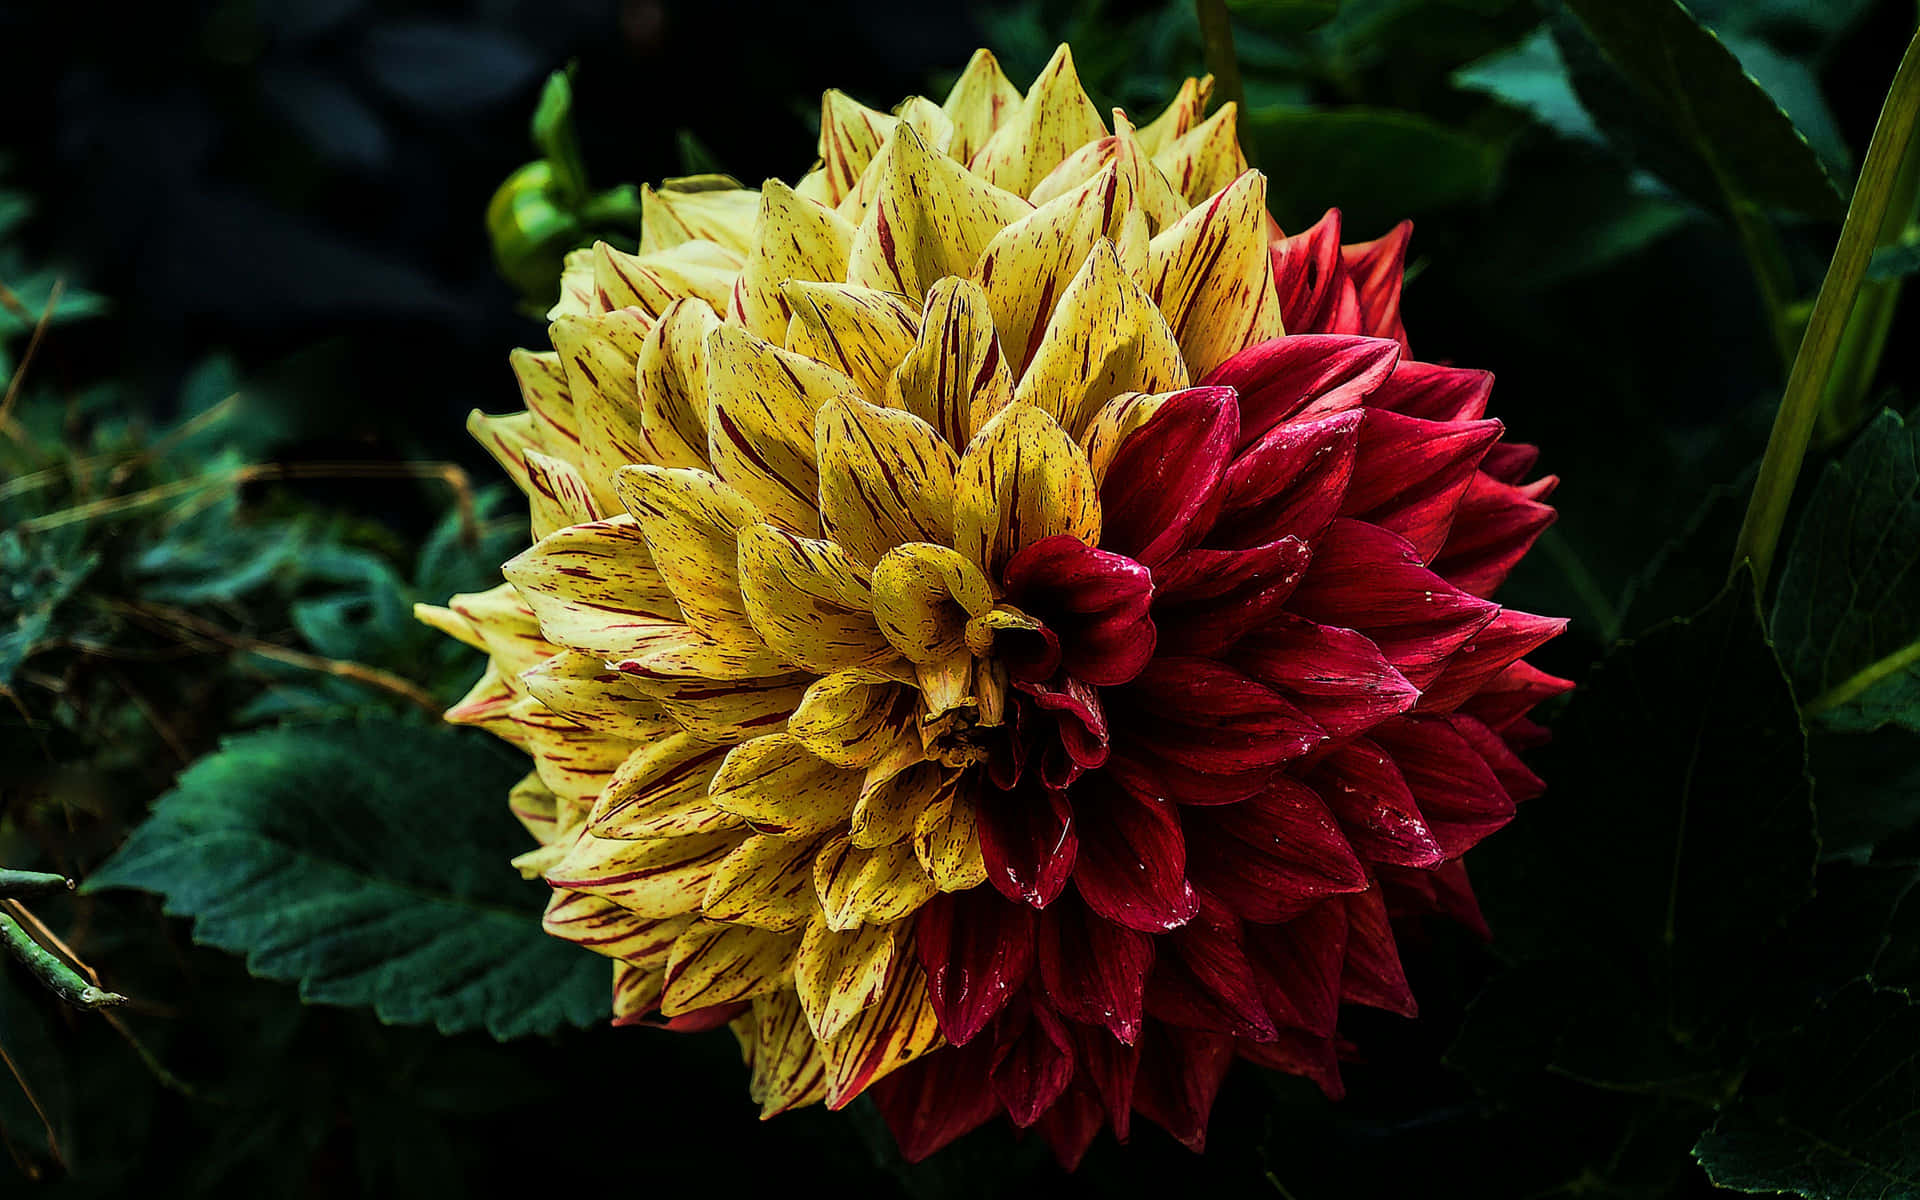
[[1372, 974], [937, 1098], [1029, 841], [1093, 970], [1296, 965], [1410, 475], [1512, 693], [1303, 376], [1316, 295], [1111, 1066], [1435, 392], [1132, 865], [1180, 1074], [1202, 979], [1289, 483], [976, 950], [1032, 1059], [1377, 268], [1097, 603], [1079, 733], [1509, 636], [1520, 782], [1336, 676], [1460, 796], [1270, 858], [1444, 890], [1207, 600], [1495, 527], [1377, 809], [1199, 732], [1158, 495], [1311, 1056], [1072, 1123]]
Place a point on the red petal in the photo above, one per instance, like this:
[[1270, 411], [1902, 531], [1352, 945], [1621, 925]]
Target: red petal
[[1207, 600], [1458, 793], [976, 950], [1410, 475], [1372, 974], [1205, 981], [1111, 1066], [1289, 483], [1180, 1073], [1336, 676], [935, 1099], [1367, 578], [1095, 601], [1132, 867], [1316, 296], [1079, 737], [1496, 525], [1442, 890], [1377, 810], [1271, 857], [1304, 376], [1093, 970], [1510, 462], [1158, 495], [1199, 732], [1512, 693], [1032, 1060], [1296, 1052], [1296, 965], [1519, 782], [1377, 268], [1072, 1123], [1028, 839], [702, 1019], [1434, 392], [1510, 635]]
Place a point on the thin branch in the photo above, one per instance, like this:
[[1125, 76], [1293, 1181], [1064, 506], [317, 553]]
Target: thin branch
[[33, 347]]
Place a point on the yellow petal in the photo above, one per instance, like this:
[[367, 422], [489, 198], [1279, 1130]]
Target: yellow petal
[[652, 282], [594, 587], [861, 333], [1106, 337], [850, 718], [605, 928], [868, 887], [557, 494], [886, 1036], [683, 652], [920, 119], [711, 208], [795, 238], [955, 377], [780, 787], [838, 974], [767, 882], [1054, 120], [1213, 278], [717, 710], [505, 626], [509, 439], [809, 602], [716, 963], [1205, 159], [892, 797], [886, 478], [789, 1065], [1022, 479], [538, 809], [762, 403], [930, 218], [598, 354], [636, 992], [1113, 424], [663, 878], [1179, 117], [660, 790], [946, 840], [850, 135], [572, 761], [1029, 264], [692, 523], [923, 596], [488, 705], [981, 101], [543, 386], [582, 688], [1152, 194], [578, 297]]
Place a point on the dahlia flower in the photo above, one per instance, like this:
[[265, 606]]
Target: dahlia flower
[[1006, 628]]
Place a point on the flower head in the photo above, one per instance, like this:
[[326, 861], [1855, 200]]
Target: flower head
[[1005, 627]]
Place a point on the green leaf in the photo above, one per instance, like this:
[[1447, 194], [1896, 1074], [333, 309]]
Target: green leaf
[[1377, 165], [1285, 16], [1675, 839], [38, 574], [1532, 77], [1894, 262], [1847, 618], [1829, 1111], [1671, 94], [367, 863]]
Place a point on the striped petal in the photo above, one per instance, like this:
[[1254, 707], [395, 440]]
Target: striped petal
[[652, 878], [780, 787], [797, 238], [840, 973], [762, 404], [809, 601], [767, 882], [955, 377], [1053, 121], [692, 523], [886, 478], [713, 963], [930, 218], [859, 332], [1022, 479], [1212, 277], [660, 790], [981, 101], [594, 587], [868, 887], [599, 355], [711, 208]]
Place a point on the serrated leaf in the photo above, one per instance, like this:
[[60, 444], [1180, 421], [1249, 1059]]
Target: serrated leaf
[[368, 864], [1671, 94], [1376, 165], [1847, 618], [1831, 1111]]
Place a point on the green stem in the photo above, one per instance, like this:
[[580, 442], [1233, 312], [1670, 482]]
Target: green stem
[[1865, 340], [61, 979], [1771, 272], [16, 885], [1216, 41], [1813, 366], [1865, 678]]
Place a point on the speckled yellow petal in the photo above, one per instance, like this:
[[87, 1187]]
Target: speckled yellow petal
[[692, 523], [1206, 158], [886, 478], [1106, 337], [921, 120], [982, 100], [661, 878], [1188, 106], [1153, 196], [598, 355], [789, 1063], [778, 786], [1022, 479], [660, 790], [887, 1035], [796, 238], [509, 439], [868, 886], [536, 808], [505, 626], [667, 425], [717, 709], [578, 297], [1029, 264], [923, 596], [762, 404], [605, 928], [488, 705], [557, 494], [809, 602], [859, 332], [572, 761], [767, 882], [713, 208], [1115, 421], [955, 377], [543, 387], [1213, 278], [652, 282], [584, 689], [636, 992], [930, 218], [838, 973], [1053, 121], [850, 718], [946, 840], [850, 135], [892, 797], [717, 963], [593, 587]]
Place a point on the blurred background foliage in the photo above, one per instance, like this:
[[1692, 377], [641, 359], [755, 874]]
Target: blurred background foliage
[[253, 284]]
